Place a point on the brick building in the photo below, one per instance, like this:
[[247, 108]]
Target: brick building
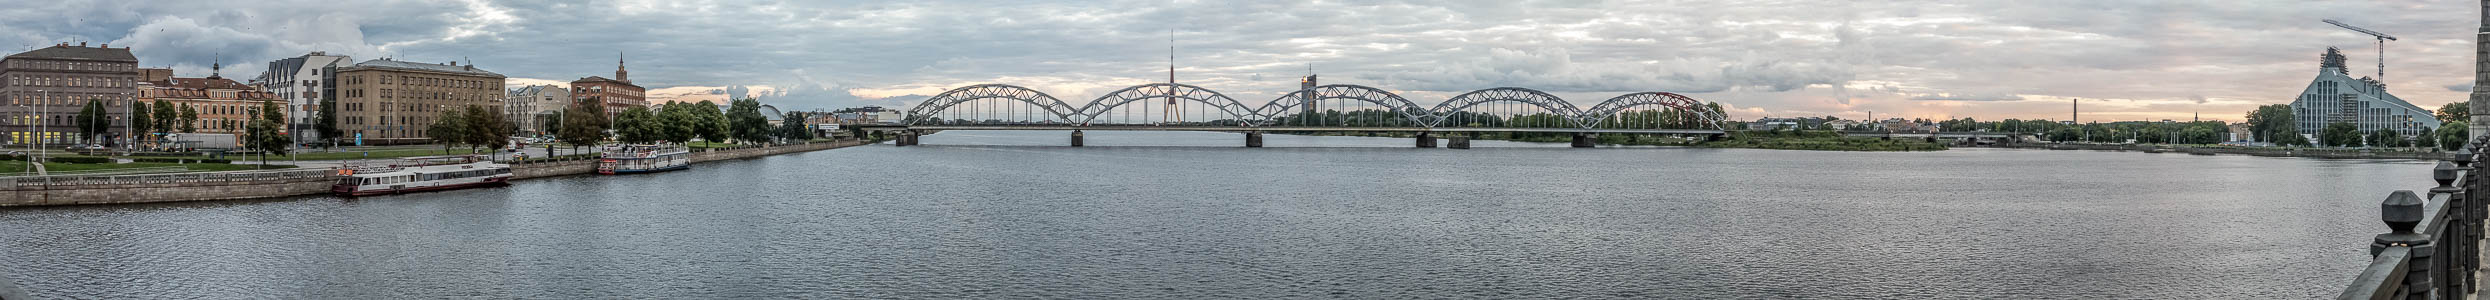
[[223, 105], [617, 93], [44, 89], [386, 101]]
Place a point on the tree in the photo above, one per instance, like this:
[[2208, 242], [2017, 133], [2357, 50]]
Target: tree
[[448, 129], [166, 116], [2340, 134], [708, 123], [326, 122], [745, 123], [583, 124], [791, 127], [486, 128], [2266, 123], [2426, 139], [266, 130], [2453, 135], [2387, 138], [90, 120], [142, 122], [190, 119], [2458, 111], [637, 125], [674, 122]]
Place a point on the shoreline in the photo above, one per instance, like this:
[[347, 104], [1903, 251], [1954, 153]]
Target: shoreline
[[2219, 150], [215, 186]]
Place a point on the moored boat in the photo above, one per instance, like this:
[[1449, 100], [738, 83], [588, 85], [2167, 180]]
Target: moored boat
[[419, 174], [628, 159]]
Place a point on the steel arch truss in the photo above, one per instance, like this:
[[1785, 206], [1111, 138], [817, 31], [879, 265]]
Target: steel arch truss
[[1554, 105], [941, 102], [1286, 104], [1289, 104], [1119, 98], [1609, 109]]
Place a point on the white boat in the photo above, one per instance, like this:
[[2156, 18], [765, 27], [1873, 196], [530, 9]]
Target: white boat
[[419, 174], [628, 159]]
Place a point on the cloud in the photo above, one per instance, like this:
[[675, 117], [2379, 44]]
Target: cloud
[[1968, 97], [2468, 87]]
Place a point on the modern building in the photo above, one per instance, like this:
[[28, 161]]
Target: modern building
[[385, 101], [45, 88], [530, 107], [617, 93], [304, 82], [2336, 97], [224, 106]]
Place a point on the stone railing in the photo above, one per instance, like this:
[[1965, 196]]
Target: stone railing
[[75, 181], [2432, 247]]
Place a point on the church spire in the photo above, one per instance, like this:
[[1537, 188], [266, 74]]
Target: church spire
[[620, 74], [217, 69]]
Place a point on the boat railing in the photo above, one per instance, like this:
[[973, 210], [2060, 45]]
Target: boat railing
[[78, 181]]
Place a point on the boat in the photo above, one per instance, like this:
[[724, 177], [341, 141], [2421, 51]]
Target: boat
[[630, 159], [419, 174]]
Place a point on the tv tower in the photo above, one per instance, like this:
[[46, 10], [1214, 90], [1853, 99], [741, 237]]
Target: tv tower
[[1171, 110]]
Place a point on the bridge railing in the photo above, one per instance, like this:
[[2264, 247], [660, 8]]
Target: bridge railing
[[2432, 247]]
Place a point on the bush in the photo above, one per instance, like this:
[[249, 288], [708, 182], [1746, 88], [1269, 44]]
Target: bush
[[183, 160], [80, 160]]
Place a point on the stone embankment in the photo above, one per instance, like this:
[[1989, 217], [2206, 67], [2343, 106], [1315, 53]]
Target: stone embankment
[[2255, 151], [69, 190]]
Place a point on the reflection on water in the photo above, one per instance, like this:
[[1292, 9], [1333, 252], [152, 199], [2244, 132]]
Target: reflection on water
[[1012, 214]]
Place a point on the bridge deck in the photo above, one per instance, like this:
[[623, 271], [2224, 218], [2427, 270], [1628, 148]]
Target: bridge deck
[[1291, 128]]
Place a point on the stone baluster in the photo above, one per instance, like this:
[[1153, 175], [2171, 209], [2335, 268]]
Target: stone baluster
[[2402, 211], [2452, 261]]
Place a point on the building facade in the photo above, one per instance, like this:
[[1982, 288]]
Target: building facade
[[223, 105], [303, 83], [45, 88], [386, 101], [2336, 97], [529, 107], [617, 93]]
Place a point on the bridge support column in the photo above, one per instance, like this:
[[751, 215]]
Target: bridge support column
[[1253, 140], [1426, 139], [1715, 137], [1584, 140], [1458, 142], [1076, 138], [904, 139]]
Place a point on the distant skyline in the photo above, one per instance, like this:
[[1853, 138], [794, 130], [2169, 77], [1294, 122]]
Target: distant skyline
[[2131, 60]]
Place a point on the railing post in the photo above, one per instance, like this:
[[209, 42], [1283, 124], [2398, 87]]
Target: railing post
[[2474, 214], [2402, 211], [2452, 261]]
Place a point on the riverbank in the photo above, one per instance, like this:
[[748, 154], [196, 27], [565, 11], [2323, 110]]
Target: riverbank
[[74, 190], [2334, 153], [1787, 140]]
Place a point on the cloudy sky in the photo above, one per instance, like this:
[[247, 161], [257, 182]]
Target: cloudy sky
[[2127, 60]]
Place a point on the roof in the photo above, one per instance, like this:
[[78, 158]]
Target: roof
[[65, 51], [595, 79], [197, 88], [201, 83], [444, 68]]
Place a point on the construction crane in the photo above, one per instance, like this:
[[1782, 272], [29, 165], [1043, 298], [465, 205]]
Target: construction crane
[[2382, 38]]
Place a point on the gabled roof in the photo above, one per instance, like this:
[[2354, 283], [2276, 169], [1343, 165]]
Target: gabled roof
[[79, 53]]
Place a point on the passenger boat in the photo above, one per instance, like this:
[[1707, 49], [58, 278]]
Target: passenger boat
[[419, 174], [628, 159]]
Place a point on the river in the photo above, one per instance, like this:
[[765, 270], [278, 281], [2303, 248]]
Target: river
[[1191, 215]]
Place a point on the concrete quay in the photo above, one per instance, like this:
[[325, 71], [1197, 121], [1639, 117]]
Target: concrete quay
[[76, 190]]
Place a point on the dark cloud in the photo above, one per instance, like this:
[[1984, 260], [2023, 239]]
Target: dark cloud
[[1968, 97]]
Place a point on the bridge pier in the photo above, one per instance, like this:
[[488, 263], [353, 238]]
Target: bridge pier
[[1253, 140], [1076, 138], [1426, 140], [1715, 137], [1584, 140], [1458, 142], [905, 139]]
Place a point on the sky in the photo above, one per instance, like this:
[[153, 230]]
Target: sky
[[2124, 60]]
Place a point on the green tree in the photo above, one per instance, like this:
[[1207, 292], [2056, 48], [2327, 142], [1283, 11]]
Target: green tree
[[2426, 139], [90, 120], [2266, 123], [485, 128], [708, 123], [745, 123], [2388, 138], [2458, 111], [583, 124], [448, 129], [266, 130], [190, 119], [2453, 135], [638, 125], [791, 127], [166, 116], [326, 122], [142, 121], [2340, 134]]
